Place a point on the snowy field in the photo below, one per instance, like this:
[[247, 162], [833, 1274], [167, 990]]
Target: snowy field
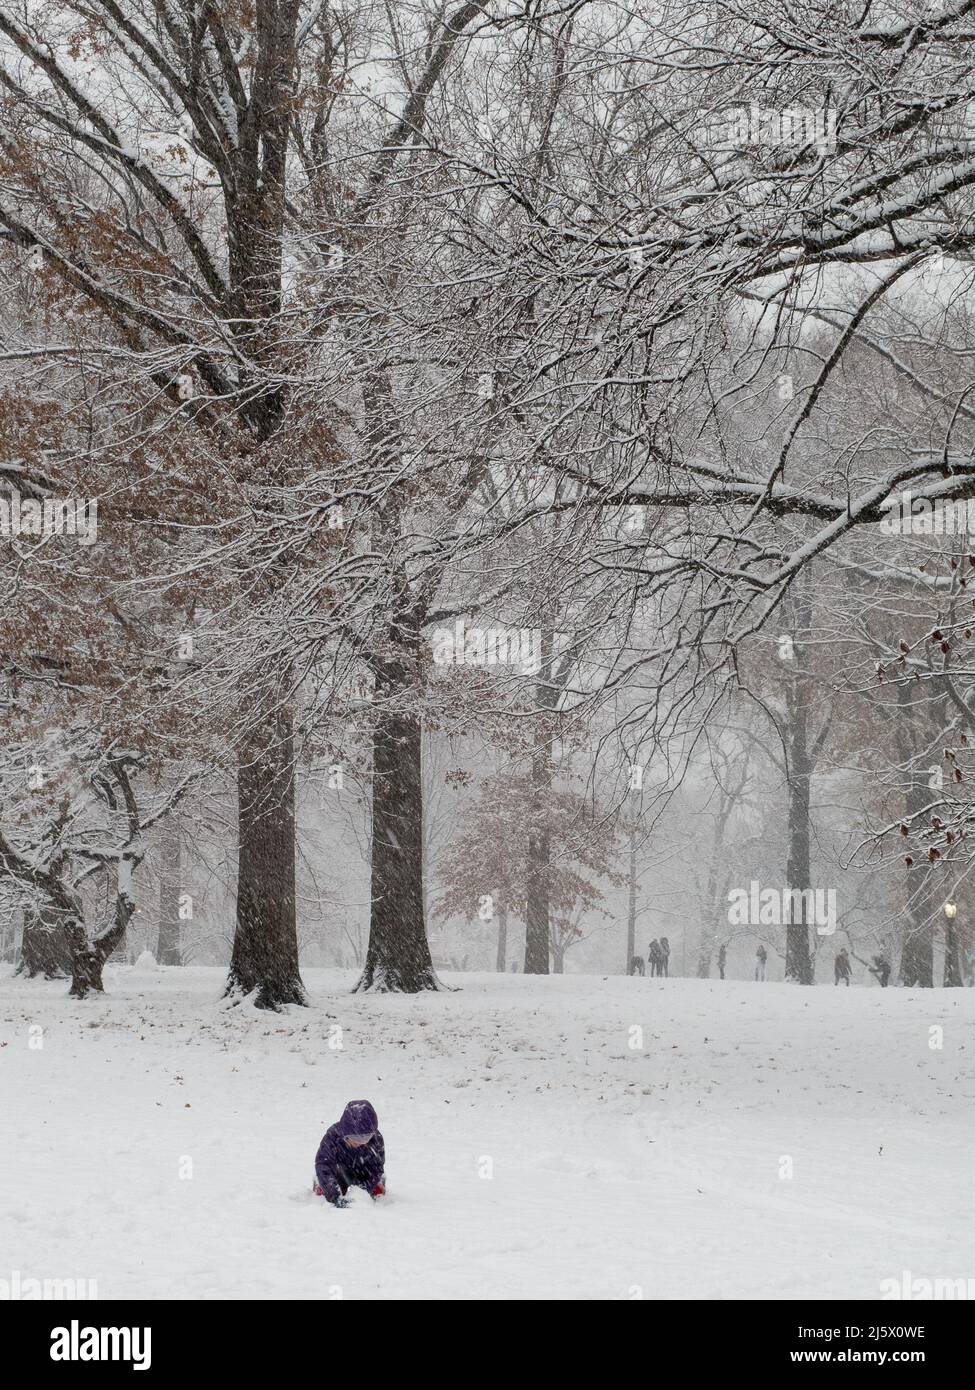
[[162, 1144]]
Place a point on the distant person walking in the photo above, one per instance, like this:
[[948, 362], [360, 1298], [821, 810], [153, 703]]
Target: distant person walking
[[722, 958], [880, 968], [761, 957], [842, 969], [664, 957], [653, 957]]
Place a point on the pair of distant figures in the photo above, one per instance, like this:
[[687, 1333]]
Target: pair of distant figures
[[843, 971], [658, 956]]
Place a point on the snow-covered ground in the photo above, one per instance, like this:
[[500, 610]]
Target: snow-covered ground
[[538, 1147]]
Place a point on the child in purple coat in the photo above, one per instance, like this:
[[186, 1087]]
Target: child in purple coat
[[351, 1154]]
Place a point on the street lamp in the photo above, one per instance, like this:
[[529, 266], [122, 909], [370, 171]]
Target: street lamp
[[951, 911]]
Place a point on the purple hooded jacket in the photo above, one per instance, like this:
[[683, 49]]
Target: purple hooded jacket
[[339, 1167]]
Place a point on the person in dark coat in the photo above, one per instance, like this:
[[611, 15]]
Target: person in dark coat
[[664, 957], [351, 1154], [653, 957], [842, 969], [722, 958], [880, 968], [761, 956]]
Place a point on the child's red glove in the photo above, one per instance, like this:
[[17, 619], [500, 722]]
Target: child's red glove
[[378, 1191]]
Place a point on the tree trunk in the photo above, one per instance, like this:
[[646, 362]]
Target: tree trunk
[[500, 962], [264, 961], [88, 957], [705, 951], [798, 870], [539, 856], [537, 907], [167, 945], [715, 904], [917, 951], [8, 939], [631, 906], [716, 900], [953, 976], [44, 948], [87, 964], [798, 960], [398, 958]]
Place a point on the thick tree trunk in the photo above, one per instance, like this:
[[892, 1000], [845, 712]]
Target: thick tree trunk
[[953, 975], [631, 906], [8, 939], [44, 948], [798, 870], [798, 960], [537, 906], [87, 964], [705, 951], [917, 951], [717, 891], [537, 933], [264, 961], [501, 959], [88, 957], [398, 958], [167, 945], [716, 903]]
